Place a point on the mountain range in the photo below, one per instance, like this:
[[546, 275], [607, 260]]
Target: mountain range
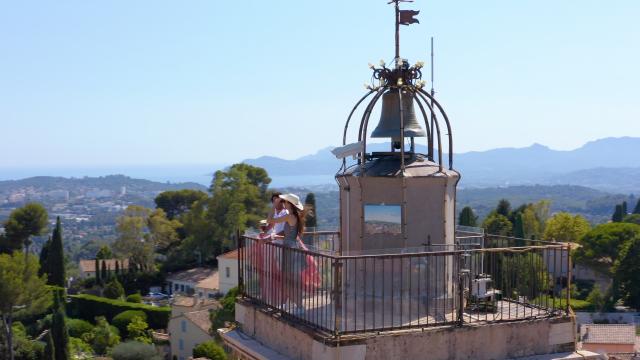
[[608, 164]]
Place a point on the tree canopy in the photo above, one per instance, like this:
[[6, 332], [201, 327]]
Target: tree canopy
[[626, 270], [210, 350], [239, 199], [29, 220], [632, 218], [468, 217], [21, 291], [104, 253], [565, 227], [604, 243], [176, 203], [141, 232], [497, 224], [504, 208], [636, 209], [618, 214]]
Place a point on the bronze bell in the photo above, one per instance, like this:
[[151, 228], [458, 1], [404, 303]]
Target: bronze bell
[[389, 125]]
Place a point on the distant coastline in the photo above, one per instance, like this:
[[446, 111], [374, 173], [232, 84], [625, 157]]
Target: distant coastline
[[199, 174]]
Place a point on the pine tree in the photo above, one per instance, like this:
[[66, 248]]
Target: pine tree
[[97, 270], [49, 349], [44, 258], [468, 217], [59, 330], [617, 214], [104, 276], [504, 208], [310, 208], [55, 261], [636, 210]]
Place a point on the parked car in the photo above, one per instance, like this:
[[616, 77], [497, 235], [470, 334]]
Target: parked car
[[157, 296]]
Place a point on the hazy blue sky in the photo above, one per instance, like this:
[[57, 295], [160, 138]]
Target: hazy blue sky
[[166, 82]]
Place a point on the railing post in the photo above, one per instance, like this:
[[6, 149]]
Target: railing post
[[240, 262], [461, 274], [337, 296], [568, 309]]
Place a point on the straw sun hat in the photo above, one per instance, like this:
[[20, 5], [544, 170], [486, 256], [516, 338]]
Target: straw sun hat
[[293, 199]]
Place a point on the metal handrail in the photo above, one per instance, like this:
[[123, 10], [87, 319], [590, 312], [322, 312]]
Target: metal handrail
[[378, 292]]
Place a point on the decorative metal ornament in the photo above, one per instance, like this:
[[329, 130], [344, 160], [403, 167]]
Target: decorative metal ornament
[[401, 88]]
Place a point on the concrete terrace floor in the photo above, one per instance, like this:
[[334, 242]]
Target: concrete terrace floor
[[360, 316]]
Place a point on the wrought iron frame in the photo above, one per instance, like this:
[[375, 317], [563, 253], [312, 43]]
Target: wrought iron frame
[[403, 79]]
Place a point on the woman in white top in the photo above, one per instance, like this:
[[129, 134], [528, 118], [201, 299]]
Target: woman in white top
[[279, 211]]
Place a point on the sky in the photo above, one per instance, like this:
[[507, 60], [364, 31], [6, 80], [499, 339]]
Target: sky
[[89, 83]]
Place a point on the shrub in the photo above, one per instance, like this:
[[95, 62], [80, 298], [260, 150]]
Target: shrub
[[113, 289], [25, 348], [77, 327], [134, 298], [103, 337], [133, 350], [138, 330], [122, 320], [80, 349], [227, 312], [87, 307], [210, 350]]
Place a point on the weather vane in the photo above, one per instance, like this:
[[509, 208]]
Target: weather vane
[[403, 17]]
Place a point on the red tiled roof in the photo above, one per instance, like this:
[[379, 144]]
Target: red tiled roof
[[90, 265], [233, 254], [608, 334], [201, 277]]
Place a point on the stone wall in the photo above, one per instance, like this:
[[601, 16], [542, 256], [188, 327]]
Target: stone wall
[[484, 341]]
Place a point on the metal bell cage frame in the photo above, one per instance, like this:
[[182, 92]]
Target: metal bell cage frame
[[403, 78]]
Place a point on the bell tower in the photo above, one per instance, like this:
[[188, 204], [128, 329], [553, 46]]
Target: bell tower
[[403, 198]]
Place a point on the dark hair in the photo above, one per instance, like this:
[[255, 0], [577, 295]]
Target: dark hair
[[275, 195], [300, 215]]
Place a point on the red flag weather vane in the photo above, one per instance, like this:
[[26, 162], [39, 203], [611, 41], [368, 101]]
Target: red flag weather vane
[[403, 17]]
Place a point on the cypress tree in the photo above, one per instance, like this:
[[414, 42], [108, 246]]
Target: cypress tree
[[55, 261], [59, 330], [617, 214], [104, 276], [117, 268], [625, 211], [49, 349], [44, 258], [468, 217], [636, 210], [310, 207], [518, 228], [97, 271]]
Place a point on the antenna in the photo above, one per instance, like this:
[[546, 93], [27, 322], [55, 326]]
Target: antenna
[[433, 92]]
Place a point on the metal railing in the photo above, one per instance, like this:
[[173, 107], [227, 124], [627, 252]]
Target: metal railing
[[504, 279]]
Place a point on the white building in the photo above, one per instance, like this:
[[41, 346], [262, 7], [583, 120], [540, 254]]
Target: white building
[[189, 325], [201, 282], [228, 268]]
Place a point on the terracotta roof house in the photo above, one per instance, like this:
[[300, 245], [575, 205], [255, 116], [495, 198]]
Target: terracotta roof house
[[187, 330], [608, 338], [88, 267], [201, 282]]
